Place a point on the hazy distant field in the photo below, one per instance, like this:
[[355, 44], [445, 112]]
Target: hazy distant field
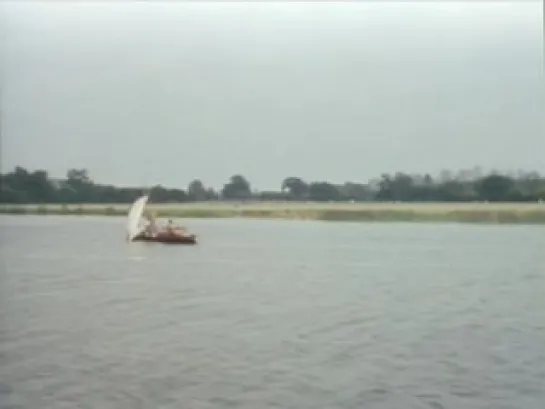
[[457, 212]]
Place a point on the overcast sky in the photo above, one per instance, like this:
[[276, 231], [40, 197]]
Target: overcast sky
[[162, 93]]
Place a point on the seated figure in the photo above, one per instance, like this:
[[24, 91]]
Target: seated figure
[[151, 228]]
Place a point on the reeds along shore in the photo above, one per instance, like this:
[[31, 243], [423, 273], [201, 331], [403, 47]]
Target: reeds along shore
[[528, 213]]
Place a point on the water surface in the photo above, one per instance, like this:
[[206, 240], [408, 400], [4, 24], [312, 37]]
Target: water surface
[[271, 314]]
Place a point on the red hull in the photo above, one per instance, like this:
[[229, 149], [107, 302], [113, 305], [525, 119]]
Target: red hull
[[168, 238]]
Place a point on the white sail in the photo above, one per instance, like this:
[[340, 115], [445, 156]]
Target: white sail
[[135, 213]]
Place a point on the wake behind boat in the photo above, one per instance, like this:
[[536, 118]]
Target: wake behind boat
[[146, 228]]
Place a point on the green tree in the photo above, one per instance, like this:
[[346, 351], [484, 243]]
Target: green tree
[[355, 191], [80, 183], [323, 192], [196, 191], [161, 194], [40, 188], [296, 187], [495, 188], [211, 194], [78, 176], [237, 188], [24, 186]]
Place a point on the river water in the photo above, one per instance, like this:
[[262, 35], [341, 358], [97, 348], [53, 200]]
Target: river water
[[271, 314]]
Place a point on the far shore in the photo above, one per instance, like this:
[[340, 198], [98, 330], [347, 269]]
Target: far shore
[[524, 213]]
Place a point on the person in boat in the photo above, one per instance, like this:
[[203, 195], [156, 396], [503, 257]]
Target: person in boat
[[151, 228], [174, 229], [171, 228]]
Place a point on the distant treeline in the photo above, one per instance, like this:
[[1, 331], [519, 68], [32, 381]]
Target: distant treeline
[[24, 186]]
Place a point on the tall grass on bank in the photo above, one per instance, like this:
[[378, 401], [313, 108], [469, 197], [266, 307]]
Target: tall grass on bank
[[362, 212]]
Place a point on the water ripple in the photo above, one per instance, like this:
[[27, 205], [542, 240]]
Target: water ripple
[[266, 315]]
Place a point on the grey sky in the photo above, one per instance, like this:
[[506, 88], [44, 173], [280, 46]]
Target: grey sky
[[145, 93]]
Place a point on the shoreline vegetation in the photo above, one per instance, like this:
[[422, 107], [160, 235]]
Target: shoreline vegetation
[[470, 196], [496, 213]]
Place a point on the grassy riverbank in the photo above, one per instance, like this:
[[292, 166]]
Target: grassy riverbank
[[410, 212]]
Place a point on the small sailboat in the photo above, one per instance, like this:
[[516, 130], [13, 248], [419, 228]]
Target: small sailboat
[[134, 219], [136, 231]]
